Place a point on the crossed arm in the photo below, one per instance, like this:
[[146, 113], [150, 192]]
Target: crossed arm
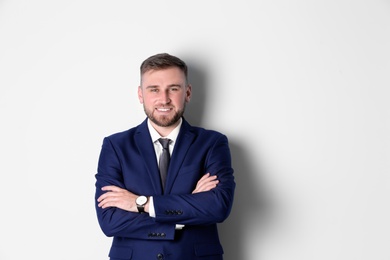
[[124, 199]]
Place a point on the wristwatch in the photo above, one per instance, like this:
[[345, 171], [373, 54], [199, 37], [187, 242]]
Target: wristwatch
[[141, 201]]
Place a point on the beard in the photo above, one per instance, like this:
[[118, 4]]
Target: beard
[[164, 121]]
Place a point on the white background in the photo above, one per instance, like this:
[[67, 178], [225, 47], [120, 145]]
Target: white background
[[301, 88]]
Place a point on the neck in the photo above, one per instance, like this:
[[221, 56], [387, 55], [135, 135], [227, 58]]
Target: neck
[[164, 130]]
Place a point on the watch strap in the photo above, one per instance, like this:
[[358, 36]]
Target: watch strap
[[141, 208]]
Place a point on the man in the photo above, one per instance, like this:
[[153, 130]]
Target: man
[[164, 217]]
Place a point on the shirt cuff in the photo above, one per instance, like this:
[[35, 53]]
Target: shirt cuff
[[152, 213], [179, 226]]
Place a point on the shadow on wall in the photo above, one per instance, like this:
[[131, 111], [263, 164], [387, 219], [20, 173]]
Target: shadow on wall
[[196, 108], [251, 208]]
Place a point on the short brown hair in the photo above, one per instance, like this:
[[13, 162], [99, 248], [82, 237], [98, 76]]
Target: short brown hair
[[163, 61]]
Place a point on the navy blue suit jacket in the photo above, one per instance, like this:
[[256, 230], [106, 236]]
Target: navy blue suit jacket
[[128, 160]]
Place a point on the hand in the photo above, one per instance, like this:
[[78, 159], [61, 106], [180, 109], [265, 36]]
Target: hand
[[206, 183], [119, 198]]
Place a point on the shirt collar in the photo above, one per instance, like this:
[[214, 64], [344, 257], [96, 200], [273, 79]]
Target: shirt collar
[[172, 135]]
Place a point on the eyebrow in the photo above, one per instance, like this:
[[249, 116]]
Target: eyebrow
[[175, 85], [169, 86]]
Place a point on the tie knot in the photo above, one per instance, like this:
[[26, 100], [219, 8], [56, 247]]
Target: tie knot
[[164, 142]]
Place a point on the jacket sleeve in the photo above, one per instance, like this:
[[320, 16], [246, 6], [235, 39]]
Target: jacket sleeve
[[202, 208], [117, 222]]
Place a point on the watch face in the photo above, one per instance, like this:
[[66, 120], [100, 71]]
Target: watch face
[[141, 200]]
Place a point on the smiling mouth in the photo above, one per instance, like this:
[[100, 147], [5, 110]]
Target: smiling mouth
[[163, 109]]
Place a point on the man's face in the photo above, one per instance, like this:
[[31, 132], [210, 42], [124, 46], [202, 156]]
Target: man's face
[[164, 95]]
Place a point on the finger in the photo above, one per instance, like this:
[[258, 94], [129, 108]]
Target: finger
[[204, 177], [103, 196], [206, 186], [109, 194], [111, 188], [107, 204], [207, 180], [207, 177], [109, 201], [210, 185], [103, 203]]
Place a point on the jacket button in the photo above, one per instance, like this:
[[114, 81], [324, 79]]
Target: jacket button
[[160, 256]]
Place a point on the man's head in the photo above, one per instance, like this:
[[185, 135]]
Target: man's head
[[163, 61], [164, 90]]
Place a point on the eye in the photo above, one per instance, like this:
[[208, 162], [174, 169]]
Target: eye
[[175, 89], [153, 90]]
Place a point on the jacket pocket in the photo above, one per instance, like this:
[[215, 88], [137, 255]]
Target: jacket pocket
[[208, 249], [121, 252]]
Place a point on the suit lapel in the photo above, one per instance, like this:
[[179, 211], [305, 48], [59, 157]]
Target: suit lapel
[[183, 143], [146, 148]]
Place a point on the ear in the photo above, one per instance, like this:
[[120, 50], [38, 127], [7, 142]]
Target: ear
[[188, 93], [140, 96]]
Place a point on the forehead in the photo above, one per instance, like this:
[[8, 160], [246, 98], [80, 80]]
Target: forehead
[[172, 75]]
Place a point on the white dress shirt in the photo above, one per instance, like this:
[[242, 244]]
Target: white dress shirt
[[158, 149]]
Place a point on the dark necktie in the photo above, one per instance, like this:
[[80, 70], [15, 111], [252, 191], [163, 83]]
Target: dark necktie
[[164, 160]]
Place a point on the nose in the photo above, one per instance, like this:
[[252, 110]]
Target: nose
[[165, 97]]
